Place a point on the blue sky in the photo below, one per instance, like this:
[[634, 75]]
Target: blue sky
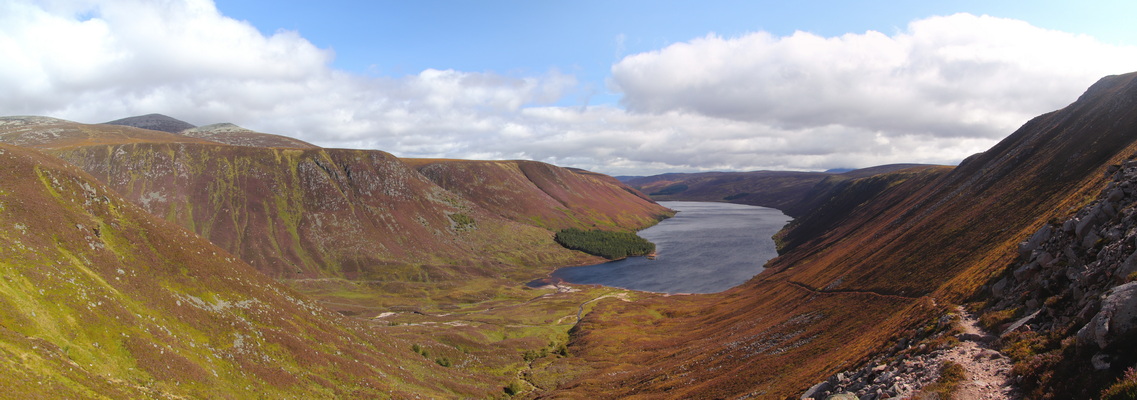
[[620, 87], [393, 38]]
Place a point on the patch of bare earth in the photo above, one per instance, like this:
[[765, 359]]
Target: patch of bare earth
[[988, 371], [907, 374]]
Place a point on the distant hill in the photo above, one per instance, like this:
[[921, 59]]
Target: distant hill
[[154, 122], [785, 190], [237, 136]]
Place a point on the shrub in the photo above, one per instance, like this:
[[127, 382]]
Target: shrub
[[463, 222], [951, 374], [1124, 389], [443, 361]]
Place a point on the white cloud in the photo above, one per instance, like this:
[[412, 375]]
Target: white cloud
[[957, 76], [943, 89]]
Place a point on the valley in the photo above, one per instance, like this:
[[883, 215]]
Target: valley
[[145, 258]]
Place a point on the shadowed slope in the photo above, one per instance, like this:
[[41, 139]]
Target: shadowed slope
[[933, 235], [100, 299], [154, 122], [794, 193]]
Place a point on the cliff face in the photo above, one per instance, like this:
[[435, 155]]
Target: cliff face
[[897, 258], [99, 298]]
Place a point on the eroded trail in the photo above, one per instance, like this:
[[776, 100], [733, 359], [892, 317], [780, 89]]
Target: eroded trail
[[988, 371]]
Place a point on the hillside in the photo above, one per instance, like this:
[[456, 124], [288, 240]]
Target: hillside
[[903, 256], [794, 193], [541, 194], [154, 122], [102, 300], [324, 219], [237, 136]]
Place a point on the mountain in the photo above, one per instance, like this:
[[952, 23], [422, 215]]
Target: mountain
[[46, 132], [542, 194], [237, 136], [909, 252], [154, 122], [103, 300], [784, 190], [323, 219]]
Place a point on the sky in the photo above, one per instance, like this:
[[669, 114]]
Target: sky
[[619, 87]]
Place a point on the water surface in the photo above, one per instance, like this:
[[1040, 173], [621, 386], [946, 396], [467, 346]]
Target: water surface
[[705, 248]]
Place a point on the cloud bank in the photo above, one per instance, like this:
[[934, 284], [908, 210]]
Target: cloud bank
[[935, 92]]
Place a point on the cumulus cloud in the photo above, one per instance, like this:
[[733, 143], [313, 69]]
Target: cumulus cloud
[[959, 76], [937, 92]]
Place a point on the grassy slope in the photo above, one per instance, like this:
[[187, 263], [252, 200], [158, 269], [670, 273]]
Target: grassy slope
[[370, 236], [100, 299], [383, 233], [936, 235]]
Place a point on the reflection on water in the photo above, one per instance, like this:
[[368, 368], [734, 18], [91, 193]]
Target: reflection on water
[[706, 248]]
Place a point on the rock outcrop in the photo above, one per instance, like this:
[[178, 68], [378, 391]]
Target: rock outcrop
[[1074, 285]]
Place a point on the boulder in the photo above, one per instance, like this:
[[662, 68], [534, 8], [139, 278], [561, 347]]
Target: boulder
[[1040, 237], [816, 391], [1116, 319]]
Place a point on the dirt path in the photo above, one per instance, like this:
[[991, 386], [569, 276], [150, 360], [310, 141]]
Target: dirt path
[[988, 371]]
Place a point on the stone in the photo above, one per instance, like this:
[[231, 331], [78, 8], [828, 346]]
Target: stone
[[1115, 195], [999, 288], [1100, 361], [1116, 319], [842, 396], [816, 391], [1127, 267], [1025, 272]]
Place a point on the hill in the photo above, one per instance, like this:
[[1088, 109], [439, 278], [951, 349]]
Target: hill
[[154, 122], [102, 300], [237, 136], [903, 256], [324, 219], [788, 191]]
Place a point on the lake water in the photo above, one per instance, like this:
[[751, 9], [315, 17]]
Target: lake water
[[705, 248]]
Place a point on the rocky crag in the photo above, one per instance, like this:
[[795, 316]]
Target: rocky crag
[[1068, 309]]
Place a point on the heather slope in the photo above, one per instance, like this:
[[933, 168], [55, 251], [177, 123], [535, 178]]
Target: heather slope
[[922, 243], [361, 228], [794, 193], [543, 195], [102, 300]]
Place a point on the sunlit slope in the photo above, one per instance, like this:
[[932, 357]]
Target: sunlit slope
[[99, 299], [925, 241], [46, 132], [318, 213], [544, 195]]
